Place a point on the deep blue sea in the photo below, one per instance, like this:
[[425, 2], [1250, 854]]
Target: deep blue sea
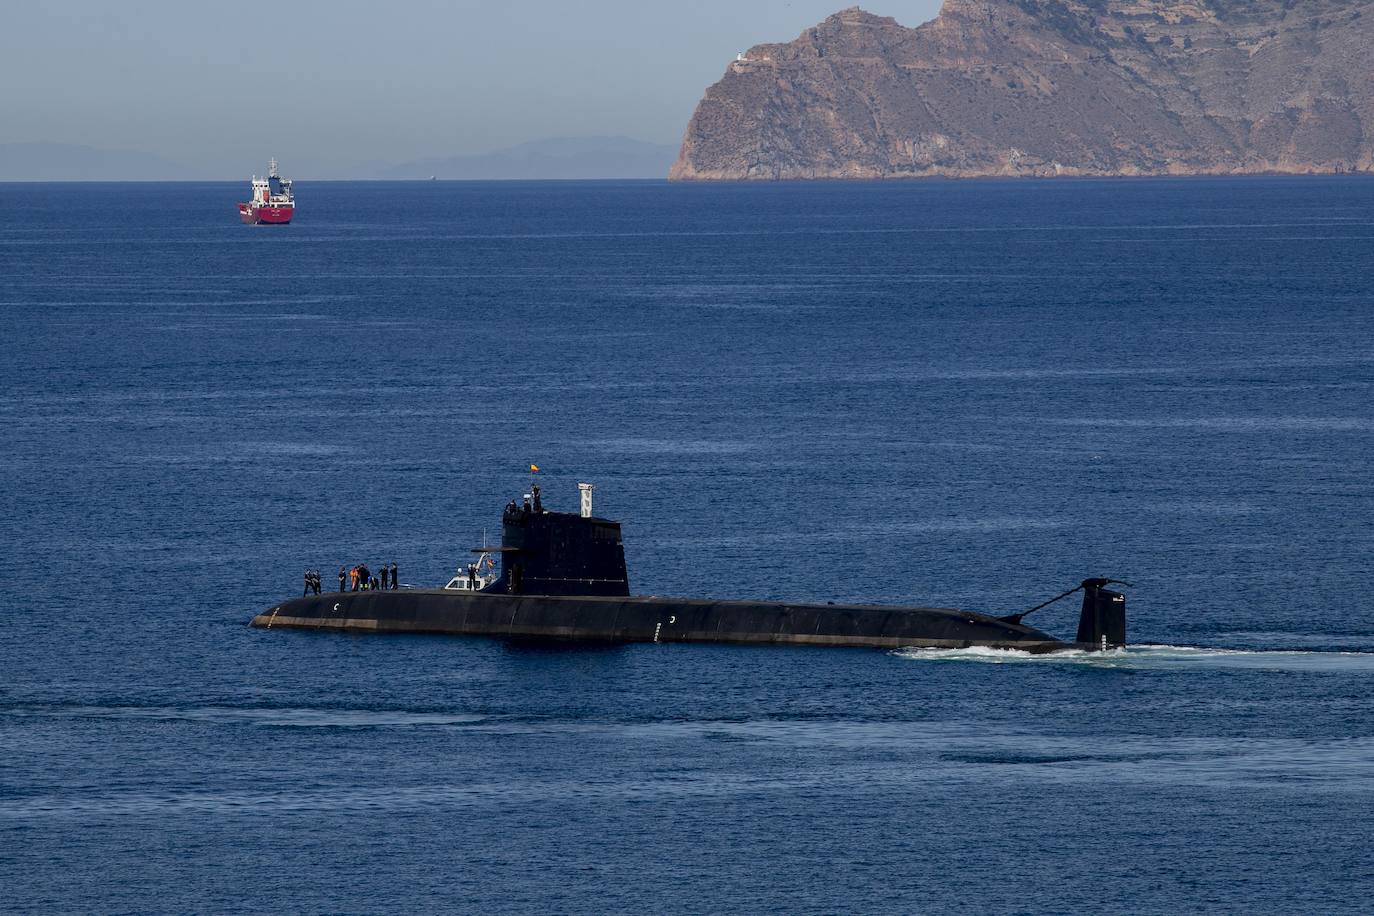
[[962, 394]]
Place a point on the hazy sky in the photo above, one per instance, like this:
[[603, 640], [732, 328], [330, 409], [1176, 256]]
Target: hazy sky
[[327, 85]]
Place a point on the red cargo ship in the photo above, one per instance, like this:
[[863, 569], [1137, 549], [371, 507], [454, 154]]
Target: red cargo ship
[[272, 199]]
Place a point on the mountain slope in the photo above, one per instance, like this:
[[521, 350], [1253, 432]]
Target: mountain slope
[[1050, 87]]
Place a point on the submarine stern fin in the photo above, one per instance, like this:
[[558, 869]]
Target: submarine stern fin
[[1102, 622]]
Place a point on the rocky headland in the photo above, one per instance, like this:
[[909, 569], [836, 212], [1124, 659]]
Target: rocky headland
[[1050, 87]]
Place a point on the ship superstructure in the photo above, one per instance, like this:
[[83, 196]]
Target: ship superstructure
[[272, 203]]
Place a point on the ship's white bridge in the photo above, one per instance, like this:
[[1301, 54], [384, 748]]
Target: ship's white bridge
[[273, 190]]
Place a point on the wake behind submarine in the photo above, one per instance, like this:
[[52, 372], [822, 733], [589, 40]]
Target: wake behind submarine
[[562, 576]]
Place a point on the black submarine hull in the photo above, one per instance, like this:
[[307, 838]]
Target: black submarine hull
[[652, 619], [563, 577]]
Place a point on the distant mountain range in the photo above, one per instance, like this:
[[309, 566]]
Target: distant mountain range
[[68, 162], [554, 158], [557, 157]]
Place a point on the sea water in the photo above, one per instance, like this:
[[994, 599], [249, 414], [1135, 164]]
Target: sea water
[[961, 394]]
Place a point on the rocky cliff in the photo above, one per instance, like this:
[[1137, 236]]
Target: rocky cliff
[[1050, 87]]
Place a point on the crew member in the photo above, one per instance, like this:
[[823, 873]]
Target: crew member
[[343, 574], [395, 583], [386, 574], [316, 577], [472, 576], [538, 503], [307, 584]]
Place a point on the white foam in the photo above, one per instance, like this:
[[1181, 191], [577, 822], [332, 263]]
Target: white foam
[[1159, 657]]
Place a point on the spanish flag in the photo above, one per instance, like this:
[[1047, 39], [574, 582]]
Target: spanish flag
[[534, 469]]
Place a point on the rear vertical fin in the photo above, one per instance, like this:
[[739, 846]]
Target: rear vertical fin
[[1102, 624]]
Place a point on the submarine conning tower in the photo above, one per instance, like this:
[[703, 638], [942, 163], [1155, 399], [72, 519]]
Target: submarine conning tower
[[559, 553]]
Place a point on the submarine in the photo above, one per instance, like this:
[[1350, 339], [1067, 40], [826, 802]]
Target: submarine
[[562, 577]]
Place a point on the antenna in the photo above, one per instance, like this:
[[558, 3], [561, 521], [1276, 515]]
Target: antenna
[[586, 490], [272, 167]]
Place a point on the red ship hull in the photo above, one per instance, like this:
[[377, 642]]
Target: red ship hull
[[273, 215]]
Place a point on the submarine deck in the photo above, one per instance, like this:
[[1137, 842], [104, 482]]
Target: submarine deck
[[653, 619]]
